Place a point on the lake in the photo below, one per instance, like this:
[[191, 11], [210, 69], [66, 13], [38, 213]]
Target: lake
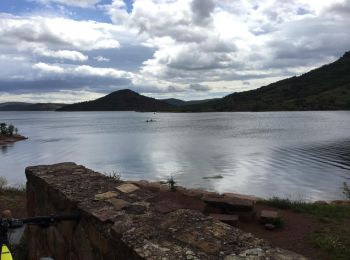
[[300, 155]]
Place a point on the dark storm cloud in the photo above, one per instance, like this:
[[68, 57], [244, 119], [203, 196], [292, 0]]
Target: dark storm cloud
[[128, 58], [202, 10], [70, 83], [199, 87], [342, 9]]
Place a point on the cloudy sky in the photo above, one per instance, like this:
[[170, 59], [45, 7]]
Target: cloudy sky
[[74, 50]]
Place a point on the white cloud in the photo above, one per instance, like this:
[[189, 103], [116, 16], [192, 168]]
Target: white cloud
[[49, 32], [213, 41], [101, 72], [48, 68], [82, 70], [206, 45], [62, 54], [101, 59], [65, 96]]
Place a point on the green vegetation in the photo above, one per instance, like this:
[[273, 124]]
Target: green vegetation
[[325, 88], [346, 190], [10, 190], [7, 130], [213, 177], [328, 211], [334, 235], [171, 182], [335, 240], [115, 176], [21, 106]]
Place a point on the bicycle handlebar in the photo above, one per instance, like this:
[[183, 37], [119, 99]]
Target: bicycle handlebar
[[50, 219], [40, 220]]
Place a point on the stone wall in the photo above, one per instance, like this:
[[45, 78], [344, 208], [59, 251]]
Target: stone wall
[[123, 221]]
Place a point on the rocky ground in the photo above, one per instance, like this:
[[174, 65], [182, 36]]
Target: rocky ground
[[11, 139], [297, 233]]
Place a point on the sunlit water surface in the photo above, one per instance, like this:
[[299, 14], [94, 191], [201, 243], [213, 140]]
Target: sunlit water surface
[[301, 155]]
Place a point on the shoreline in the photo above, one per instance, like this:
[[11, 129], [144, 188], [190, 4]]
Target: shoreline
[[4, 140]]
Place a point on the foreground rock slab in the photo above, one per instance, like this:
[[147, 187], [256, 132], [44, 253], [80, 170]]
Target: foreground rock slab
[[126, 224]]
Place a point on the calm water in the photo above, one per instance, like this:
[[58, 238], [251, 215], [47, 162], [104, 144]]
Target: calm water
[[291, 154]]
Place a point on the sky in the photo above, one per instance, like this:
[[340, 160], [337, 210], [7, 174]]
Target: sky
[[75, 50]]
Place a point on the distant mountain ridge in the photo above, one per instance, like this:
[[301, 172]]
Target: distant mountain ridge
[[23, 106], [179, 102], [324, 88], [121, 100]]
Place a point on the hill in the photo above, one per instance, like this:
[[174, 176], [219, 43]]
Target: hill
[[325, 88], [174, 102], [122, 100], [179, 102], [22, 106]]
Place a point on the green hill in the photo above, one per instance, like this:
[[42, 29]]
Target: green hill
[[179, 102], [325, 88], [21, 106], [122, 100]]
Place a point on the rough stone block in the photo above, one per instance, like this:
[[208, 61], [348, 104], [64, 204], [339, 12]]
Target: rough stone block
[[118, 204], [127, 188], [268, 216], [229, 204], [269, 226], [106, 195], [135, 231], [228, 219]]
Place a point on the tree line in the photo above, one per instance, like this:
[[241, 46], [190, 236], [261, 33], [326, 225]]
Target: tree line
[[8, 130]]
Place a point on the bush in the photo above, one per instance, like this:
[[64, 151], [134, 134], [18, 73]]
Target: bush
[[10, 130], [171, 182], [3, 128], [346, 190], [7, 130], [3, 184], [330, 211], [115, 176]]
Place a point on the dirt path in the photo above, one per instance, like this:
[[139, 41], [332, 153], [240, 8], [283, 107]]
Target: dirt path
[[295, 234]]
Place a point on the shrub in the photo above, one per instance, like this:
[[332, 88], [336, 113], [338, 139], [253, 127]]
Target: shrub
[[115, 176], [10, 130], [3, 184], [346, 190], [3, 128], [7, 129], [171, 182]]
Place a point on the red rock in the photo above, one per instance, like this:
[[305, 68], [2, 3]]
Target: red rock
[[268, 216], [229, 204], [228, 219]]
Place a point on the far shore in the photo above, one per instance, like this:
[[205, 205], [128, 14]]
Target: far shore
[[11, 139]]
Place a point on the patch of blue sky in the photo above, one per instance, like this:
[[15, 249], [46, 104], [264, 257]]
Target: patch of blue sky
[[129, 5], [17, 6], [20, 7]]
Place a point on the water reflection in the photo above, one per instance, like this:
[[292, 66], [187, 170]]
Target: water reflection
[[3, 149], [266, 154]]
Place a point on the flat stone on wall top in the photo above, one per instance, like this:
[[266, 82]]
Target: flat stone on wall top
[[121, 221]]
